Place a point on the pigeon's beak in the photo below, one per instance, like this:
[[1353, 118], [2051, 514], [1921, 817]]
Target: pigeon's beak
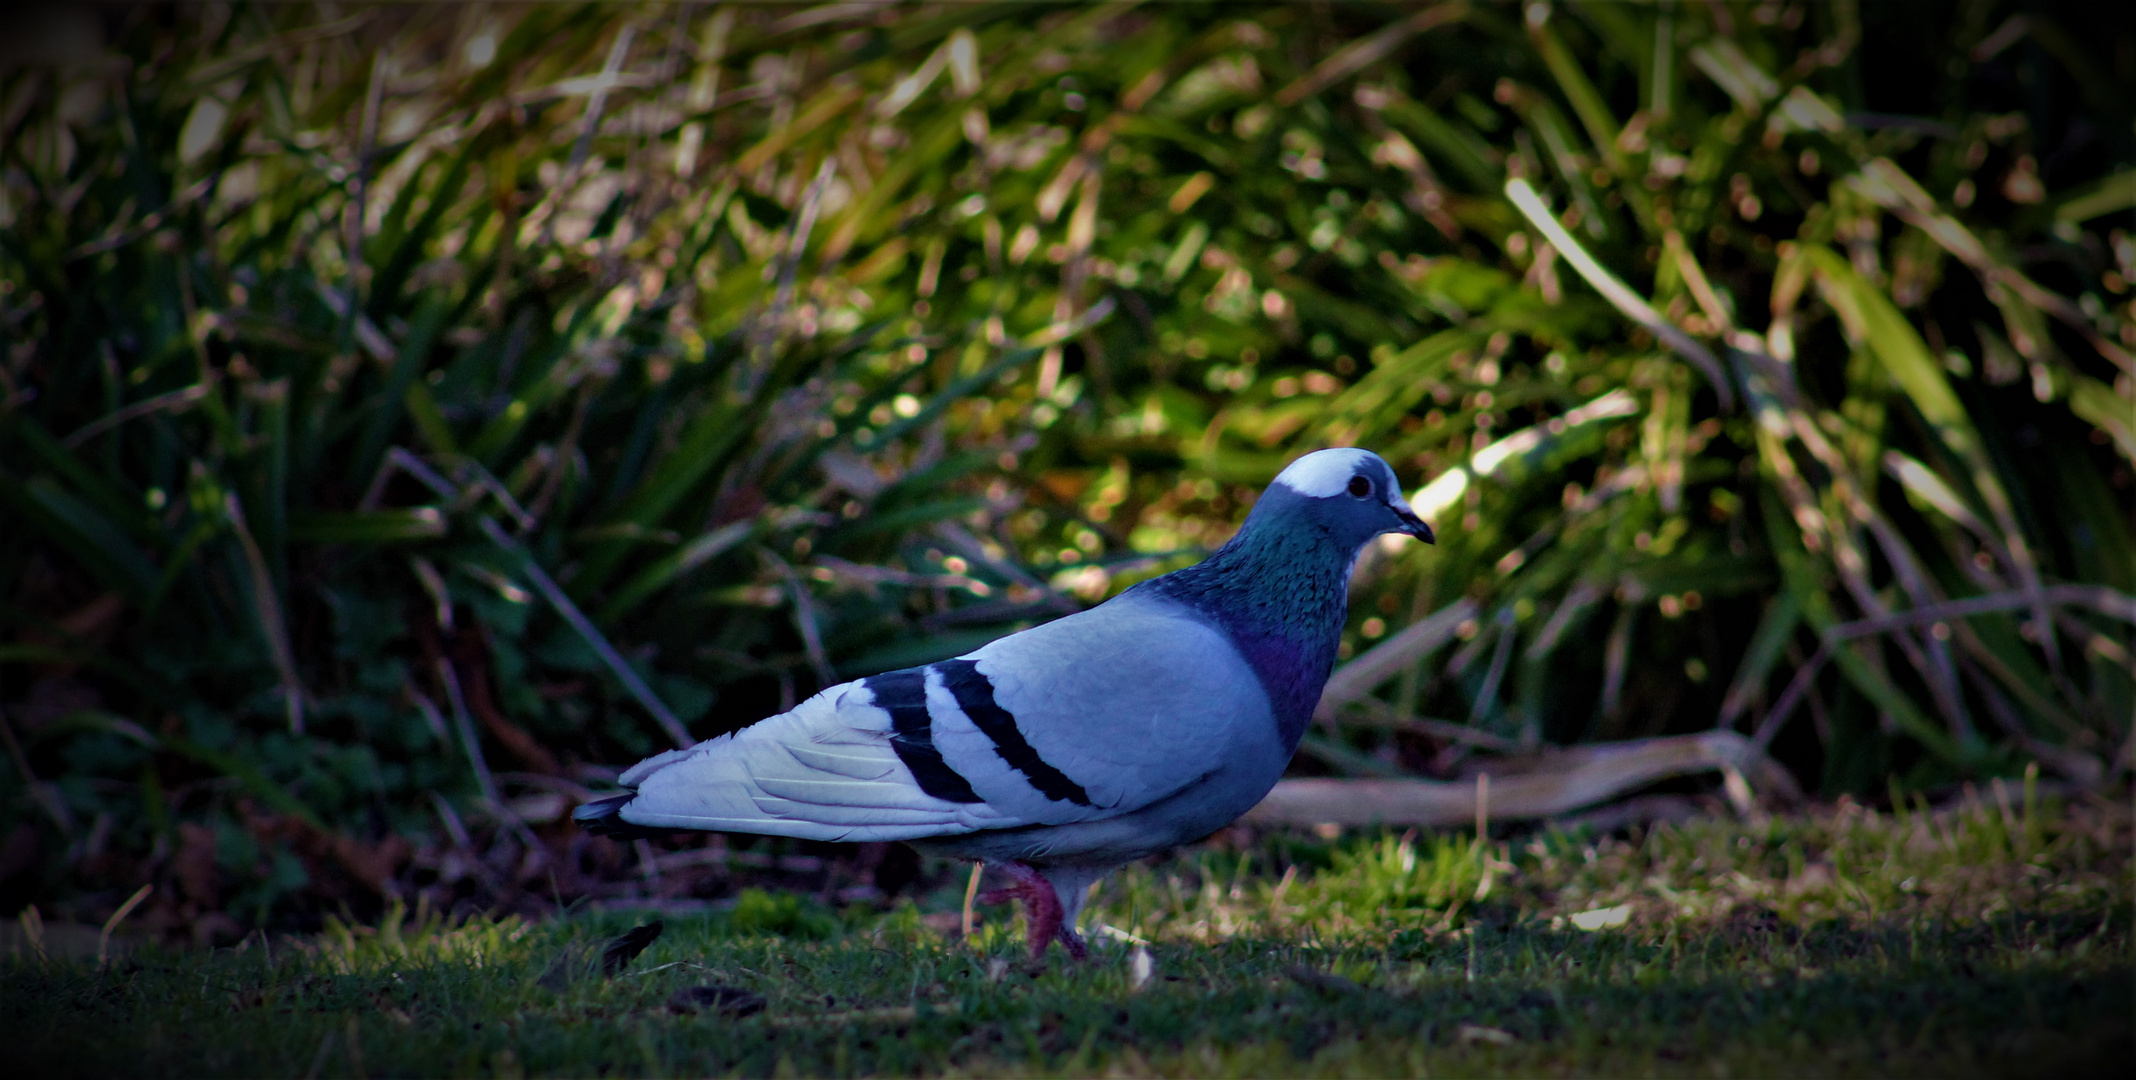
[[1411, 523]]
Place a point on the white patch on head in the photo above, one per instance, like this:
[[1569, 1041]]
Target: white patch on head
[[1324, 472]]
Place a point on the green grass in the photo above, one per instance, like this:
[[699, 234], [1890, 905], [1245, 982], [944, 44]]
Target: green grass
[[1991, 938]]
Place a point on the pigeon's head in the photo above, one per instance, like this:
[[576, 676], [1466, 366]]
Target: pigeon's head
[[1350, 493]]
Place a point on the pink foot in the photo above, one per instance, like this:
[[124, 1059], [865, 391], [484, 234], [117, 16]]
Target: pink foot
[[1043, 921]]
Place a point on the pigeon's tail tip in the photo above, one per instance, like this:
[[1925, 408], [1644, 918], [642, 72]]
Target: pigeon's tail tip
[[604, 817]]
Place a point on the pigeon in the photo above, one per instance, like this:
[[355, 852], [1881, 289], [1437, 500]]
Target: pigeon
[[1063, 752]]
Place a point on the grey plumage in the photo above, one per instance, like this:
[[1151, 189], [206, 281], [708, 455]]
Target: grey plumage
[[1074, 747]]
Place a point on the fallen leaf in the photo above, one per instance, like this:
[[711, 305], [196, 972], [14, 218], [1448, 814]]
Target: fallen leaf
[[1139, 968], [626, 947], [1470, 1034], [1601, 918]]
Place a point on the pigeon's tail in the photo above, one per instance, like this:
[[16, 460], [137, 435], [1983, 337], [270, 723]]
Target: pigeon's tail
[[604, 817]]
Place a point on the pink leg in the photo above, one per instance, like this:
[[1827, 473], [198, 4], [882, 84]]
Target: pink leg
[[1042, 909], [1071, 941]]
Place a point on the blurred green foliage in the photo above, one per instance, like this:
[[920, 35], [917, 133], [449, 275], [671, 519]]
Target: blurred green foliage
[[411, 413]]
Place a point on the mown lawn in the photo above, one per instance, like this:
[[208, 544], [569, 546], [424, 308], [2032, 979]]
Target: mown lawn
[[1990, 938]]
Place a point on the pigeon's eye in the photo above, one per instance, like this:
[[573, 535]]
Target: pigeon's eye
[[1360, 487]]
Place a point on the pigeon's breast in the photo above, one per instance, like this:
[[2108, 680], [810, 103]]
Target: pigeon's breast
[[1292, 672]]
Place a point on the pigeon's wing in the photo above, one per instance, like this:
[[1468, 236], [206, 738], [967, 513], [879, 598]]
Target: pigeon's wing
[[1089, 717], [833, 768], [1098, 714]]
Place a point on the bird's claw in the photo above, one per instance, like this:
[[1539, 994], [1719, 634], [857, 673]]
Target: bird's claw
[[1072, 941], [1044, 919]]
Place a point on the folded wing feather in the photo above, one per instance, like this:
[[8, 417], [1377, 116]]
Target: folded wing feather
[[1086, 718], [823, 771]]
